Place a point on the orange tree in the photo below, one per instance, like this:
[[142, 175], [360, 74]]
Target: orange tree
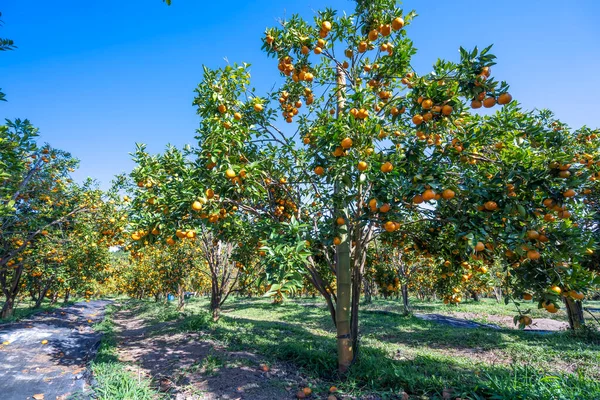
[[178, 196], [161, 269], [66, 260], [385, 150], [37, 195]]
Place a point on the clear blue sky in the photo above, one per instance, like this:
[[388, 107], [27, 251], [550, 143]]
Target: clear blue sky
[[98, 76]]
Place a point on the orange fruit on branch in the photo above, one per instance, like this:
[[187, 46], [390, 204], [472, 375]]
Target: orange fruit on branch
[[397, 23]]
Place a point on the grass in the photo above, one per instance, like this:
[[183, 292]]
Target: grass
[[399, 353], [24, 309], [113, 379]]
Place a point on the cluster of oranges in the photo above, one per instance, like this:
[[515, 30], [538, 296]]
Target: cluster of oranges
[[429, 195], [483, 98]]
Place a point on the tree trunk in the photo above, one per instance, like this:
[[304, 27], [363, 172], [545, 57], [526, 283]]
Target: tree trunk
[[40, 299], [181, 297], [215, 300], [575, 313], [474, 295], [498, 294], [368, 291], [342, 313], [405, 305], [8, 308], [67, 295]]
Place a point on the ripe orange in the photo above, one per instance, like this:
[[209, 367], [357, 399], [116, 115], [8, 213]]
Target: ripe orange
[[385, 29], [385, 208], [533, 235], [569, 193], [317, 50], [258, 107], [196, 206], [340, 221], [489, 102], [548, 203], [398, 24], [479, 246], [337, 241], [448, 194], [476, 104], [418, 199], [564, 174], [417, 119], [428, 195], [373, 34], [326, 25], [237, 116], [504, 98], [222, 108], [490, 205], [427, 104], [533, 255], [209, 193], [389, 226], [556, 289], [387, 167], [362, 166], [527, 296], [319, 170], [338, 152], [447, 110], [346, 143], [576, 295], [305, 50], [230, 173]]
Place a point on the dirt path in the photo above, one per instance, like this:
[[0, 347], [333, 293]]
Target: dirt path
[[190, 366], [48, 353]]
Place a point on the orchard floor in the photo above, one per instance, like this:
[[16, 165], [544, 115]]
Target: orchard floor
[[47, 354], [263, 351]]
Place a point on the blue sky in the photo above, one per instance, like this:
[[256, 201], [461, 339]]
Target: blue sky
[[96, 77]]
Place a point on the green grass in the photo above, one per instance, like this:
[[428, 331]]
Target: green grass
[[23, 309], [401, 353], [113, 381]]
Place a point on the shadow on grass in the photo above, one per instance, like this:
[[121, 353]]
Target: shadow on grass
[[379, 371]]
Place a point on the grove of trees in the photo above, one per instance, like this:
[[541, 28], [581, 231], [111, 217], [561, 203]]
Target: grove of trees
[[355, 176]]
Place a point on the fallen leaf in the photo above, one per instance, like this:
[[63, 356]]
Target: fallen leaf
[[39, 396], [6, 343], [44, 342]]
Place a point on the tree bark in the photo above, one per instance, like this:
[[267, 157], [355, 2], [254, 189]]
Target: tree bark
[[180, 297], [575, 313], [8, 308], [342, 312], [368, 291], [10, 289], [498, 294], [41, 297], [215, 300], [405, 306]]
